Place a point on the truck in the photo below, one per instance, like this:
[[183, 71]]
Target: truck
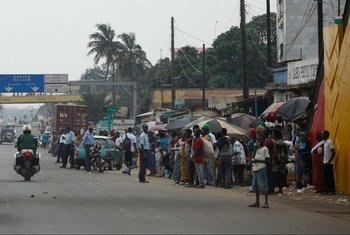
[[73, 116]]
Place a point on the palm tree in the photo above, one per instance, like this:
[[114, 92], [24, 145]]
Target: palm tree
[[102, 45], [133, 59]]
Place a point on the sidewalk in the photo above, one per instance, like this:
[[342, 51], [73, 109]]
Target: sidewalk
[[334, 205]]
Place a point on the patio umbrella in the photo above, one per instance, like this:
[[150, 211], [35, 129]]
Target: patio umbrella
[[293, 109], [243, 120], [195, 122], [216, 125], [178, 124], [270, 113]]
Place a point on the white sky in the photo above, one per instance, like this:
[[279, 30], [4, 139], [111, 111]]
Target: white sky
[[51, 36]]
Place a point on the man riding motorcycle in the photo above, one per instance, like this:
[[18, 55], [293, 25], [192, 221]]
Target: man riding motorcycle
[[27, 140]]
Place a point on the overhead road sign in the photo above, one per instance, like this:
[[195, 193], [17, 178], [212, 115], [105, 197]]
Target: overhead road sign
[[10, 83], [40, 99], [56, 78], [56, 88]]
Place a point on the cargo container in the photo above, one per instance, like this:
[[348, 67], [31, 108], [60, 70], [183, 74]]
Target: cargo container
[[73, 116]]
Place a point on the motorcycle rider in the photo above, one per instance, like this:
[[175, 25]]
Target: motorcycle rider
[[27, 140]]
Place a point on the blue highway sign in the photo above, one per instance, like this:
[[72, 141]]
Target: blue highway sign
[[10, 83]]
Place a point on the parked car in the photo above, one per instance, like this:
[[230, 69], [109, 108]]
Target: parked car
[[109, 153]]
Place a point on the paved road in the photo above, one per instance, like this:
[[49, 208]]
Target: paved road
[[70, 201]]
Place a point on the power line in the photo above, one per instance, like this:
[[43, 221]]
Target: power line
[[185, 55], [188, 79], [192, 36], [291, 43], [256, 45]]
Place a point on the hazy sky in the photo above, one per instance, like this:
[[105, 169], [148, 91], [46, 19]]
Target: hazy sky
[[51, 36]]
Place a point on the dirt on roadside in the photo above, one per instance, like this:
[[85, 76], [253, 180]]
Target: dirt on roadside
[[333, 205]]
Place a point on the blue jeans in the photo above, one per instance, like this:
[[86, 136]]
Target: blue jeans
[[260, 181], [143, 164]]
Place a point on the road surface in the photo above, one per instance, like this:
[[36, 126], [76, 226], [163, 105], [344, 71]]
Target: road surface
[[74, 201]]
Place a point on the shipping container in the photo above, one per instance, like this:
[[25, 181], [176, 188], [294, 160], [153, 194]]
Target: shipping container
[[74, 116]]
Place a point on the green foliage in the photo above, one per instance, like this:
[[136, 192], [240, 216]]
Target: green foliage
[[95, 73], [223, 60], [144, 102], [95, 102]]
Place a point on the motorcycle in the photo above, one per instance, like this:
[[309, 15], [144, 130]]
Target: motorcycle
[[96, 162], [27, 163]]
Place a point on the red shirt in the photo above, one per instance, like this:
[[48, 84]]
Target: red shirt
[[198, 151]]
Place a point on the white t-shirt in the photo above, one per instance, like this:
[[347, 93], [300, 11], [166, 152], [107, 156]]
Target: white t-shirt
[[118, 142], [212, 138], [238, 149], [61, 139], [328, 145], [132, 137], [261, 154]]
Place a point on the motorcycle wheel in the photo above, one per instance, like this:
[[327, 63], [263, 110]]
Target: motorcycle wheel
[[27, 174], [100, 165]]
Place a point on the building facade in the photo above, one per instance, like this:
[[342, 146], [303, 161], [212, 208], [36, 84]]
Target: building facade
[[297, 45]]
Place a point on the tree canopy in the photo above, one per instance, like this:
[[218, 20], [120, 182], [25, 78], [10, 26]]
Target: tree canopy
[[223, 61]]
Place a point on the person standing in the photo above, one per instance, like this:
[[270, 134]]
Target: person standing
[[329, 154], [303, 161], [151, 154], [69, 149], [239, 161], [198, 158], [260, 183], [144, 150], [118, 140], [190, 168], [88, 142], [129, 147], [209, 162], [60, 148], [224, 160], [279, 162]]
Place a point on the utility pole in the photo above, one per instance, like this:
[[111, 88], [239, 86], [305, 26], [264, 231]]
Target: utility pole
[[320, 30], [204, 80], [244, 52], [173, 94], [268, 34], [269, 56]]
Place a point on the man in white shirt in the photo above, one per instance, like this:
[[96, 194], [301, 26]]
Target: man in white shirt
[[259, 182], [60, 151], [239, 161], [118, 140], [144, 150], [130, 152], [329, 154]]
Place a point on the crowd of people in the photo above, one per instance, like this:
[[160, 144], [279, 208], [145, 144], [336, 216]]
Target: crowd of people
[[272, 157]]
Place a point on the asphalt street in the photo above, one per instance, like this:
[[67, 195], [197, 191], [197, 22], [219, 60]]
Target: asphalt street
[[75, 201]]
